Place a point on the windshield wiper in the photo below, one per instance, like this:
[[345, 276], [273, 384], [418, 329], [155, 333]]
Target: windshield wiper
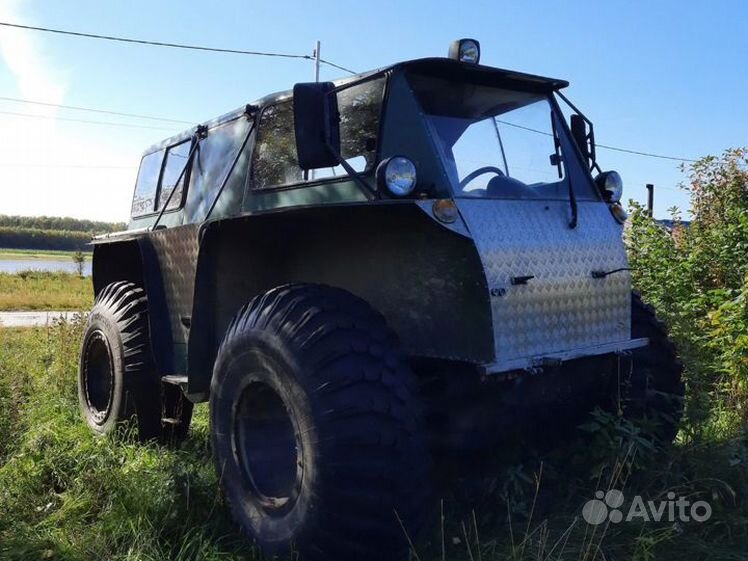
[[557, 162], [573, 204], [501, 144]]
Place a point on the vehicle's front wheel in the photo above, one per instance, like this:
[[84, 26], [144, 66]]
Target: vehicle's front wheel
[[116, 378], [317, 432]]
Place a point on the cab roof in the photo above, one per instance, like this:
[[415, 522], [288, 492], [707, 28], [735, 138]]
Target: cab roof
[[446, 68]]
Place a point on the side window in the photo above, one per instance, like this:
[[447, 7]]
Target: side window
[[210, 164], [360, 107], [176, 160], [275, 160], [144, 199]]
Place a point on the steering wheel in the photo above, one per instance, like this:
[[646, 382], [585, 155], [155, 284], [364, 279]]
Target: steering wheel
[[478, 172]]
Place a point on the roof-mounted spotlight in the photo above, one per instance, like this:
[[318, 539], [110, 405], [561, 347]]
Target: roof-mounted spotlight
[[465, 50]]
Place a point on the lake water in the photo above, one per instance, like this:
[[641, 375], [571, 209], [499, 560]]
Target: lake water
[[15, 265]]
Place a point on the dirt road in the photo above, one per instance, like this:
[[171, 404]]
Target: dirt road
[[31, 319]]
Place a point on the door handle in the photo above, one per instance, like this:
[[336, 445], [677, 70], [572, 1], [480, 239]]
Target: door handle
[[522, 280]]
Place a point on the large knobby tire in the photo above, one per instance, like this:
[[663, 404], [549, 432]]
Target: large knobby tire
[[116, 379], [655, 387], [316, 427]]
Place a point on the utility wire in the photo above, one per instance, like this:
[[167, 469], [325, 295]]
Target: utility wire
[[604, 146], [171, 45], [91, 110], [90, 122], [73, 166], [254, 53], [343, 68], [648, 154]]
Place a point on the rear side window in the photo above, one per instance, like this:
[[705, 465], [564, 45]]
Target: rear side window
[[144, 199], [275, 161], [176, 160], [210, 166]]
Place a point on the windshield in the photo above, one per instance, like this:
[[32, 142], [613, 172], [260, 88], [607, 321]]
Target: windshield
[[498, 143]]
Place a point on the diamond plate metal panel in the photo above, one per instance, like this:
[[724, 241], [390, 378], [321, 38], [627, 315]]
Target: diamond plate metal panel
[[562, 308], [177, 250]]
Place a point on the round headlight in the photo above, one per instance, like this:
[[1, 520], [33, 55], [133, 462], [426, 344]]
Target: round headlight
[[469, 52], [465, 50], [610, 185], [398, 175]]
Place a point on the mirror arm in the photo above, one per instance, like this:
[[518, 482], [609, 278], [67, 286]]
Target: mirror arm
[[593, 155], [367, 190]]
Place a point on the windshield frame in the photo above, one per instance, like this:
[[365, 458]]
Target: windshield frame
[[574, 168]]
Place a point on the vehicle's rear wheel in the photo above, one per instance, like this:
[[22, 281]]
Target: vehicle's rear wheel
[[116, 378], [316, 427], [653, 391]]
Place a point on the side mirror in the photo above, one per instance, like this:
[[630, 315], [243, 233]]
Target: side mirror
[[584, 137], [316, 125]]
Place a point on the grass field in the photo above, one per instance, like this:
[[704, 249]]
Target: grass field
[[39, 254], [36, 290], [66, 495]]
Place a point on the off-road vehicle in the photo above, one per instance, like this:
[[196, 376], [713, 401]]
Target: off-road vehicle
[[369, 280]]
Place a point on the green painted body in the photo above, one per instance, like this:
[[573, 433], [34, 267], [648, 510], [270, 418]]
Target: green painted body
[[231, 239], [402, 132]]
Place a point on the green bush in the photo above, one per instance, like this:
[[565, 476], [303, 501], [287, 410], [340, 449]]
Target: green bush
[[697, 279]]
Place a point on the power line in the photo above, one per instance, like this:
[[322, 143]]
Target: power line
[[253, 53], [604, 146], [648, 154], [343, 68], [86, 121], [91, 110], [170, 45], [73, 166]]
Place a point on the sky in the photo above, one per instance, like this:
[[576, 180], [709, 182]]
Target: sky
[[669, 77]]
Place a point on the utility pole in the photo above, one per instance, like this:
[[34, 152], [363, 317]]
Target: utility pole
[[316, 62], [315, 54], [650, 198]]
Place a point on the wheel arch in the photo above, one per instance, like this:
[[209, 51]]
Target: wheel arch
[[135, 260], [413, 270]]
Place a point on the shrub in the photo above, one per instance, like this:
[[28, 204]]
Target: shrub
[[697, 278]]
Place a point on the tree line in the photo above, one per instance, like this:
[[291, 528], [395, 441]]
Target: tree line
[[31, 238], [63, 223], [51, 232]]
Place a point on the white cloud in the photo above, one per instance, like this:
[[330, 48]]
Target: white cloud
[[48, 166]]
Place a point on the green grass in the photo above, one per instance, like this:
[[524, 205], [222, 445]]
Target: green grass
[[39, 254], [38, 290], [67, 495]]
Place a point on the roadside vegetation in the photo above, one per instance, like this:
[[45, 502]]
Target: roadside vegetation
[[65, 494], [40, 290], [51, 232]]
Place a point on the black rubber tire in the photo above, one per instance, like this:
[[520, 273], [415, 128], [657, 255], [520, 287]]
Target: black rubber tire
[[355, 453], [117, 382], [655, 386]]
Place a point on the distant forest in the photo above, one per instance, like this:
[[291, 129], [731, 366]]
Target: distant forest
[[51, 232]]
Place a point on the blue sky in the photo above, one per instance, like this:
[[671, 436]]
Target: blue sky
[[667, 77]]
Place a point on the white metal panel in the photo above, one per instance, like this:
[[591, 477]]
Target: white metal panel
[[563, 308]]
